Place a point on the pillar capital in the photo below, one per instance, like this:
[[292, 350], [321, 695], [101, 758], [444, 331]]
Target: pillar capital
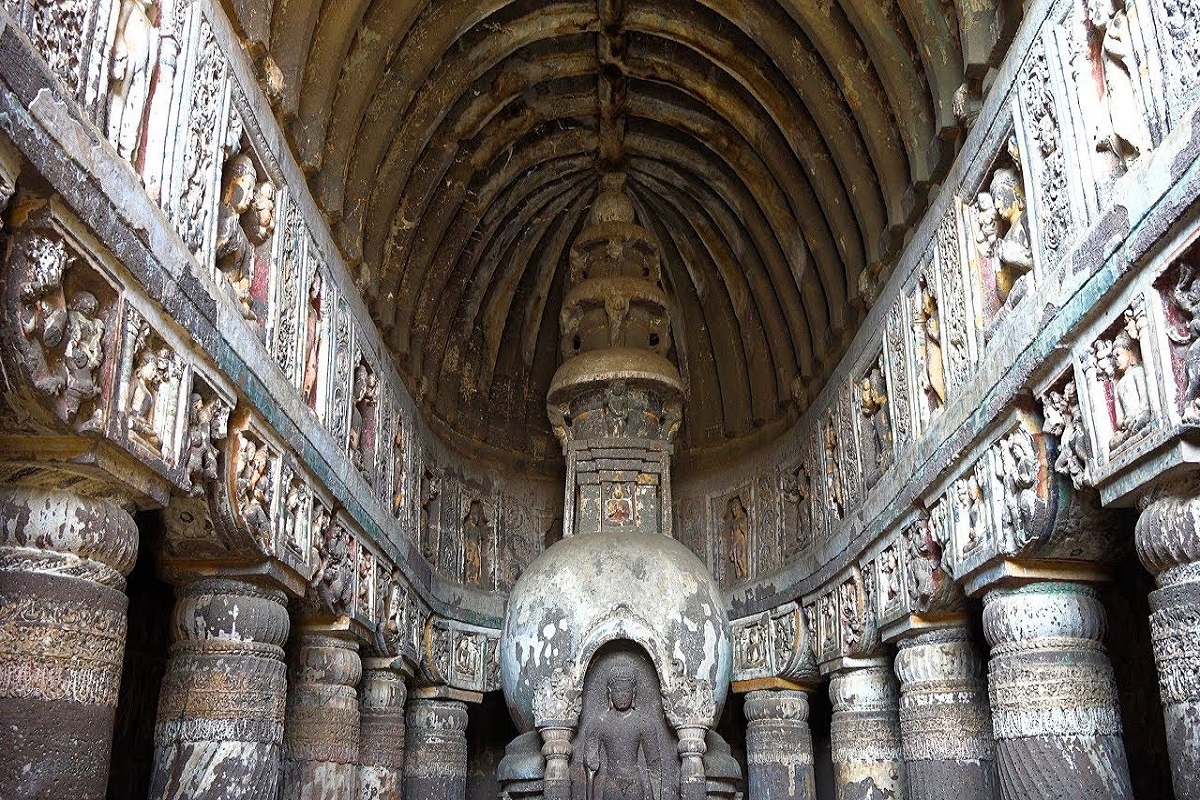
[[436, 754], [779, 748], [63, 562], [1054, 701], [945, 722], [865, 729], [221, 708]]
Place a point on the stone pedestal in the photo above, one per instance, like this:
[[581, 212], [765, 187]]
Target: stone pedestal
[[221, 709], [945, 722], [779, 748], [62, 639], [381, 732], [436, 755], [865, 731], [1168, 542], [1054, 703], [321, 739]]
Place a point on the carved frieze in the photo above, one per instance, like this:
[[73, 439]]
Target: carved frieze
[[65, 332], [459, 655], [774, 644]]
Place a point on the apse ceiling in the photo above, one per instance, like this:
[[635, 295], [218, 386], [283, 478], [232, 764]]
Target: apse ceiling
[[777, 151]]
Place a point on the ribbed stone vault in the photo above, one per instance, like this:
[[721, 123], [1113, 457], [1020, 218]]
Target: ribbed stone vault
[[777, 151]]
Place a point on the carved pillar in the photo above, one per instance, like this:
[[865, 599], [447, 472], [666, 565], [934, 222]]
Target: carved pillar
[[322, 735], [865, 730], [381, 735], [436, 760], [945, 721], [221, 710], [63, 560], [1054, 704], [779, 748], [1168, 542]]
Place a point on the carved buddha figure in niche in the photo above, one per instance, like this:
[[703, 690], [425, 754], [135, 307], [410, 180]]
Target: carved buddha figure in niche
[[235, 255], [621, 750], [1132, 402]]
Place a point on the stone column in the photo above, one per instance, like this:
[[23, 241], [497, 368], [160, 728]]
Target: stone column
[[63, 561], [1168, 541], [221, 709], [320, 743], [779, 748], [1054, 703], [436, 760], [381, 735], [865, 731], [945, 721]]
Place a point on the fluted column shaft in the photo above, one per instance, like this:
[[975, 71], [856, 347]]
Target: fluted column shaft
[[779, 748], [436, 759], [945, 721], [1168, 542], [220, 711], [381, 735], [865, 732], [1054, 703], [322, 735], [63, 561]]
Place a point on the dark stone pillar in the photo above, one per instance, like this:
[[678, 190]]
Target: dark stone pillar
[[779, 748], [436, 759], [865, 731], [1054, 703], [1168, 541], [221, 709], [945, 721], [320, 743], [381, 734], [63, 560]]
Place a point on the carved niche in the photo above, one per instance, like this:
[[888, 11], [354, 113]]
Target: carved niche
[[737, 538], [1120, 404], [1178, 26], [1064, 420], [207, 427], [1001, 255], [361, 438], [928, 360], [131, 69], [478, 545], [244, 234], [796, 491], [1179, 290], [333, 578], [255, 491], [875, 423], [624, 748], [152, 387]]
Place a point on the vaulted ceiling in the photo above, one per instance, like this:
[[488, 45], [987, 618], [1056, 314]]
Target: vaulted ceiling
[[776, 149]]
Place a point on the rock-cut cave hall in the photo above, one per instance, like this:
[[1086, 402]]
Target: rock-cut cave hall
[[600, 399]]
